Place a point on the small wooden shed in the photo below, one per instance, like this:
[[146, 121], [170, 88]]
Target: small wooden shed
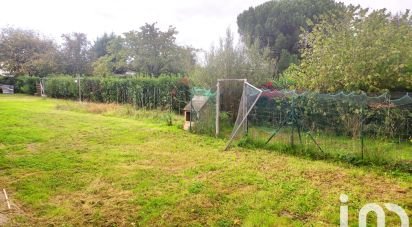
[[7, 89], [193, 110]]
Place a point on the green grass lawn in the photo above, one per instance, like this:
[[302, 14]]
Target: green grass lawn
[[375, 150], [64, 166]]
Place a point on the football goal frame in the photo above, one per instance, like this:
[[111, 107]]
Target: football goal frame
[[246, 104]]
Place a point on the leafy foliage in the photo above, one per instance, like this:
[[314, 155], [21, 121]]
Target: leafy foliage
[[22, 84], [26, 84], [364, 51], [75, 54], [162, 92], [148, 51], [229, 61], [277, 25], [99, 47], [154, 52], [26, 52], [115, 61]]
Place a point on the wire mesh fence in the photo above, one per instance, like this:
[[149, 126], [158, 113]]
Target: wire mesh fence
[[202, 111], [353, 126], [375, 128]]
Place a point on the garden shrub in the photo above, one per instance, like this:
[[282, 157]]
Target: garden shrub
[[143, 92], [24, 84]]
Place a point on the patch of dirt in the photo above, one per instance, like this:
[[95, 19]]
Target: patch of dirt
[[7, 215], [3, 219], [193, 211], [374, 187], [326, 178], [32, 147], [100, 204]]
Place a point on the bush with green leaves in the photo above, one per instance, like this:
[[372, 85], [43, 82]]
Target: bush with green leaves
[[7, 80], [144, 92], [358, 50], [24, 84]]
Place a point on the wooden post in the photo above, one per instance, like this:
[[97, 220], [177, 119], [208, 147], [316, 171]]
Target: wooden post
[[7, 198], [245, 104], [190, 112], [217, 107], [80, 91], [294, 123], [361, 133]]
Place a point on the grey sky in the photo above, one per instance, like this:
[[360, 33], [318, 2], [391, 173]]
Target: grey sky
[[199, 22]]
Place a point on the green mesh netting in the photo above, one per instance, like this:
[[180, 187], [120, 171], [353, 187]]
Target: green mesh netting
[[351, 125], [203, 110], [196, 91], [371, 127]]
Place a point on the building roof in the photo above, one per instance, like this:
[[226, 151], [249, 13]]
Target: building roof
[[7, 86], [4, 72], [7, 89], [198, 102]]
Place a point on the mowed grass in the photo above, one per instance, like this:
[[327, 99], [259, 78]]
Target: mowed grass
[[64, 166]]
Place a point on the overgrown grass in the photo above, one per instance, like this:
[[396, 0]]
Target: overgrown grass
[[125, 111], [67, 164], [377, 152], [315, 153]]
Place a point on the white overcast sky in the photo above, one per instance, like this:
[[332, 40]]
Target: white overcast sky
[[200, 22]]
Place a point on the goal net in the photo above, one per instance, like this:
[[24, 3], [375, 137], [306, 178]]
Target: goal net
[[239, 96], [223, 113]]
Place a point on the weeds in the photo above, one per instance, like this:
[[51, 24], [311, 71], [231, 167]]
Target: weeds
[[118, 110], [316, 154]]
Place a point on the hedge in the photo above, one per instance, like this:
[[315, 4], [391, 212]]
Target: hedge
[[22, 84], [143, 92]]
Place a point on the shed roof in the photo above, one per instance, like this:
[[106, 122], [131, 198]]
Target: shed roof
[[7, 89], [198, 102]]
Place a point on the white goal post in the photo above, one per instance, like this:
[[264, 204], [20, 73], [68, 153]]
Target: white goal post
[[250, 96]]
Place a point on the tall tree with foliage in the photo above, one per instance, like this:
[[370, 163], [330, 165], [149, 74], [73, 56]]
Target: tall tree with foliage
[[277, 25], [26, 52], [229, 61], [368, 51], [154, 52], [100, 45], [115, 61], [75, 53]]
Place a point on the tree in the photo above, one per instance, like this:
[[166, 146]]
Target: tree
[[100, 46], [45, 63], [115, 61], [229, 61], [26, 52], [147, 51], [358, 50], [75, 54], [154, 52], [277, 25]]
